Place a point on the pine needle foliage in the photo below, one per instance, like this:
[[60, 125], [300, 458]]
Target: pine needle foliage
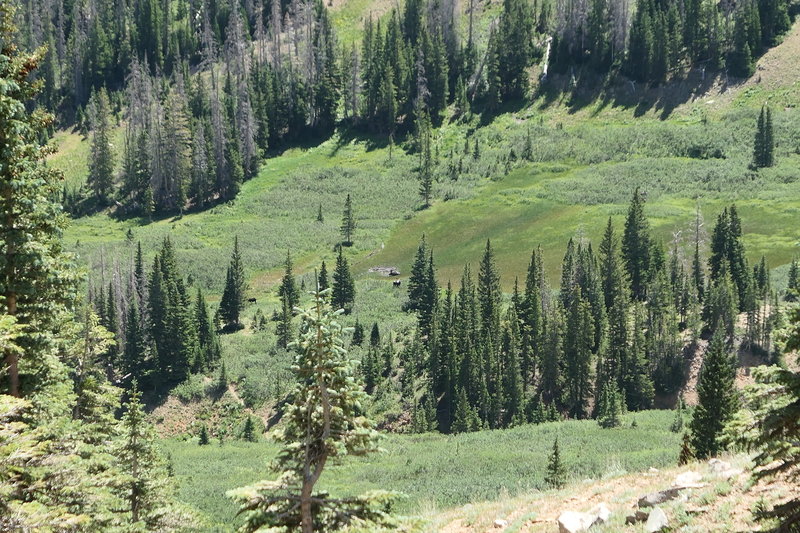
[[324, 423]]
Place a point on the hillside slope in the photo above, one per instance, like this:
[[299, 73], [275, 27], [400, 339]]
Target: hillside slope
[[724, 501]]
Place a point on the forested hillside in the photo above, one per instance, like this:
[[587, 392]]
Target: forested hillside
[[547, 219]]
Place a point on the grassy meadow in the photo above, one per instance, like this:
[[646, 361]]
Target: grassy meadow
[[436, 471]]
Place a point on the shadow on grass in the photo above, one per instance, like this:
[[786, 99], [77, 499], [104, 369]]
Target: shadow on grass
[[584, 88]]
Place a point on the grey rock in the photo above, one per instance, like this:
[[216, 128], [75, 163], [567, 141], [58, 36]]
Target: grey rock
[[655, 498], [657, 521]]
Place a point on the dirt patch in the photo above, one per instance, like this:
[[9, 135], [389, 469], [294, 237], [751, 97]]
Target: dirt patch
[[384, 270]]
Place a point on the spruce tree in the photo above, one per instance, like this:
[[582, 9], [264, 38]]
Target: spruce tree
[[36, 279], [249, 430], [101, 158], [375, 336], [769, 140], [717, 398], [343, 293], [636, 246], [232, 301], [325, 422], [202, 439], [320, 218], [143, 490], [348, 223], [358, 334], [578, 341], [417, 281], [793, 282], [556, 474], [610, 407], [323, 277], [288, 286]]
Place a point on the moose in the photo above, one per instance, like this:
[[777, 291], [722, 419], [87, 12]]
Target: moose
[[251, 300]]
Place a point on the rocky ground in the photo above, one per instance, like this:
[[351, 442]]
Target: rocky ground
[[705, 496]]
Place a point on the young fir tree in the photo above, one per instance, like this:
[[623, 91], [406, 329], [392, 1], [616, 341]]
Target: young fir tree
[[323, 277], [249, 430], [717, 398], [207, 341], [556, 474], [358, 334], [375, 336], [202, 438], [793, 282], [343, 292], [232, 301], [764, 143], [101, 158], [320, 218], [324, 423], [348, 223], [144, 489], [610, 406], [288, 286]]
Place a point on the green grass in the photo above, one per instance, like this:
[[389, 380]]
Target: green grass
[[436, 471]]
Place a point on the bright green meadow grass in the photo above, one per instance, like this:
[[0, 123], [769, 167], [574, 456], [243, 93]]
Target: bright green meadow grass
[[436, 471]]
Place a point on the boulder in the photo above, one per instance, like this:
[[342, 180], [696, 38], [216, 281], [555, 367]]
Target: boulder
[[573, 522], [723, 469], [688, 480], [656, 521], [718, 465], [655, 498], [500, 523], [601, 513]]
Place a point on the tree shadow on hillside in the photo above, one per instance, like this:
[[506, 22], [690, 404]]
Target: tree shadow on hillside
[[584, 88]]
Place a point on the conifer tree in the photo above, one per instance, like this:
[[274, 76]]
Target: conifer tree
[[556, 474], [465, 419], [348, 223], [323, 277], [134, 356], [793, 282], [232, 301], [323, 423], [249, 430], [636, 246], [143, 490], [344, 291], [417, 281], [202, 439], [358, 334], [35, 278], [578, 340], [207, 341], [101, 158], [375, 336], [764, 143], [767, 424], [288, 286], [283, 329], [320, 218], [741, 60], [717, 398], [610, 406]]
